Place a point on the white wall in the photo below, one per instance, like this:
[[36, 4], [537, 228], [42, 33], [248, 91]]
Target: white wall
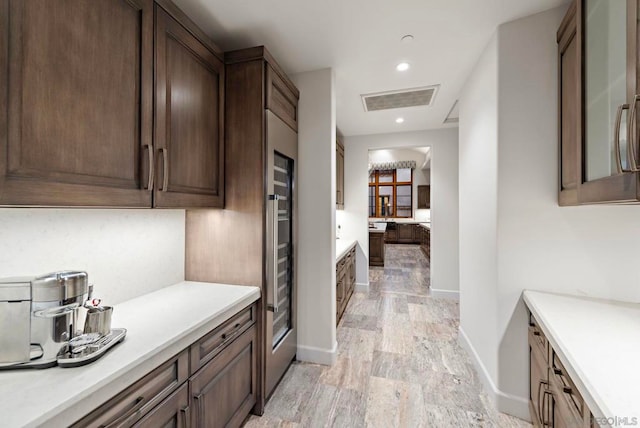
[[444, 199], [126, 253], [420, 177], [478, 207], [588, 250], [316, 214]]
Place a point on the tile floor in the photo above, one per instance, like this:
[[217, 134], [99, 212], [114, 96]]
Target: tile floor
[[399, 363]]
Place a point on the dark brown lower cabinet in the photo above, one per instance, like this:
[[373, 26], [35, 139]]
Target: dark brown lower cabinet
[[376, 249], [554, 400], [391, 236], [224, 390], [345, 281], [405, 233], [218, 388], [425, 241]]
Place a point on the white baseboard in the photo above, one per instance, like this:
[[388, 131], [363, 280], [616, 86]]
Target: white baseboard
[[505, 403], [445, 294], [361, 287], [311, 354]]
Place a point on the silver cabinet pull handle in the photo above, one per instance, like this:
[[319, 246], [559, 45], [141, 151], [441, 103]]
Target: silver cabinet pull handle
[[273, 199], [616, 137], [165, 169], [149, 150], [631, 136]]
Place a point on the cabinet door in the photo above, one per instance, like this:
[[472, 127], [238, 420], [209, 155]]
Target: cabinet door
[[598, 103], [391, 236], [570, 97], [224, 390], [339, 174], [376, 249], [76, 102], [189, 107], [405, 233], [171, 413], [424, 196], [538, 388]]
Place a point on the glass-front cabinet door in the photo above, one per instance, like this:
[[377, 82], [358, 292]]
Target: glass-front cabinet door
[[609, 104]]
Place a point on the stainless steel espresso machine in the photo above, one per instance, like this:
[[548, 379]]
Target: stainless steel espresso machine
[[40, 322]]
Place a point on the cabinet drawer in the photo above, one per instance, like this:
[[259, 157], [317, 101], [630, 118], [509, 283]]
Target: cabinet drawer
[[537, 338], [565, 391], [281, 100], [141, 397], [211, 344], [172, 412]]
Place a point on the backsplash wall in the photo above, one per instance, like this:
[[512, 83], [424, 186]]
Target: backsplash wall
[[125, 252]]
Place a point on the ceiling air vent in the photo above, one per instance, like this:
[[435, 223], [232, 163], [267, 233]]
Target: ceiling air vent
[[413, 97]]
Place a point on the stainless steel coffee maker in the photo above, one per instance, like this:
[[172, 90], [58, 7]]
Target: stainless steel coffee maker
[[38, 317]]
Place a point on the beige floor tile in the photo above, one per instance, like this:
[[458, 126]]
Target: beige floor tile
[[393, 403], [399, 364], [348, 373]]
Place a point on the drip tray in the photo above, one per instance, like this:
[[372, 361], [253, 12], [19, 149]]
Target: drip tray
[[90, 350]]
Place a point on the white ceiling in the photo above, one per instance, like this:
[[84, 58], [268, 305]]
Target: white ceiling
[[360, 40]]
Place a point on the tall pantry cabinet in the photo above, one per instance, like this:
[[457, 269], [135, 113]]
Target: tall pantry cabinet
[[253, 240]]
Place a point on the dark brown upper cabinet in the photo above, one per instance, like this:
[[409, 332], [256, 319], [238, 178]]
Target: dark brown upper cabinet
[[424, 196], [599, 153], [77, 106], [76, 102], [189, 118], [339, 174]]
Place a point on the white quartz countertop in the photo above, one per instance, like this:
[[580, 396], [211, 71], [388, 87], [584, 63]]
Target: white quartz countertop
[[159, 325], [343, 246], [598, 341]]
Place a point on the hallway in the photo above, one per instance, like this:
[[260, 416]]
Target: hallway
[[399, 363]]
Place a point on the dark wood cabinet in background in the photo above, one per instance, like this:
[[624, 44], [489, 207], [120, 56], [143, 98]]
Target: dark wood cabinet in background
[[405, 233], [76, 98], [391, 236], [345, 282], [425, 240], [189, 118], [77, 106], [376, 249], [339, 174], [424, 196], [599, 141]]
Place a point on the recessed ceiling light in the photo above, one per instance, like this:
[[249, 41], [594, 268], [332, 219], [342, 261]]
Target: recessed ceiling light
[[403, 66], [407, 38], [399, 120]]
